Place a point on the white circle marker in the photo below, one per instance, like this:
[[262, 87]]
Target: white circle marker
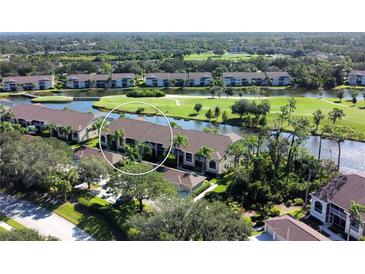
[[171, 137]]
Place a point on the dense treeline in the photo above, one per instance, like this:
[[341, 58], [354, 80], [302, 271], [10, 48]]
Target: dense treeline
[[143, 53]]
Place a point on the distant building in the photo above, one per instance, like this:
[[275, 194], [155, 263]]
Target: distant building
[[39, 82], [116, 80], [163, 79], [332, 204], [357, 78], [244, 78], [78, 81], [277, 78], [286, 228]]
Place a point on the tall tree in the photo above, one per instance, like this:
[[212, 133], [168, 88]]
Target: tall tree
[[198, 107], [356, 212], [142, 187], [180, 141], [92, 169], [204, 153], [217, 112], [335, 114], [340, 94], [183, 220], [318, 116]]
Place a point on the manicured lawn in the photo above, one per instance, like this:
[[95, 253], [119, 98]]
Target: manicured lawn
[[183, 108], [54, 99], [226, 56], [11, 222], [348, 102], [220, 189], [350, 87]]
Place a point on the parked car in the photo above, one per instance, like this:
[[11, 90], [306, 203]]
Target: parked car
[[123, 200]]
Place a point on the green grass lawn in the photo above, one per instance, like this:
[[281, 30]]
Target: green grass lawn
[[226, 56], [348, 102], [183, 108], [220, 189], [53, 99], [11, 222]]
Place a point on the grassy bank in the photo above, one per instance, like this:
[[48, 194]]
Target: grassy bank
[[52, 99], [226, 56], [184, 108]]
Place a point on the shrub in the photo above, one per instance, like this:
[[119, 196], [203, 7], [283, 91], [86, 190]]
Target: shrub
[[146, 93], [288, 203], [139, 110], [274, 212], [202, 188], [298, 201]]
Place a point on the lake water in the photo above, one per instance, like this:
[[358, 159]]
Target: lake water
[[353, 153], [271, 92]]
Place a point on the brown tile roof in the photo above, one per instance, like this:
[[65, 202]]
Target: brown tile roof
[[147, 131], [181, 178], [244, 75], [277, 74], [291, 229], [118, 76], [87, 151], [63, 118], [28, 79], [198, 75], [343, 190], [102, 77]]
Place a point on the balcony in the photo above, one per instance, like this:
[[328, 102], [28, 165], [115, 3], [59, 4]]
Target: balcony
[[338, 213]]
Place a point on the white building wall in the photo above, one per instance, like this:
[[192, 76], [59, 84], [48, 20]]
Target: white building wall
[[317, 215]]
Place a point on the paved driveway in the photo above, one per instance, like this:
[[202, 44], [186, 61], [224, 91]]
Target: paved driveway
[[35, 217]]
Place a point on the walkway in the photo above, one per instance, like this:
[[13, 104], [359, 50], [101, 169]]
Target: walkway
[[40, 219], [201, 195]]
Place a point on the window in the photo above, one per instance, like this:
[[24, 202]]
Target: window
[[189, 157], [212, 165], [318, 207]]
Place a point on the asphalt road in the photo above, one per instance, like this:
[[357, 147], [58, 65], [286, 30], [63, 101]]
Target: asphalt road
[[43, 220]]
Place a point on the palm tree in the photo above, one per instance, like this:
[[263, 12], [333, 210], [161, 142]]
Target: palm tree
[[340, 134], [318, 116], [98, 124], [8, 115], [355, 215], [118, 137], [143, 148], [67, 131], [336, 114], [131, 152], [291, 105], [50, 128], [180, 140], [204, 153], [237, 150]]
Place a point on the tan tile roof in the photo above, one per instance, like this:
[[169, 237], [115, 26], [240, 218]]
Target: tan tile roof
[[87, 151], [344, 189], [118, 76], [64, 118], [181, 178], [79, 77], [147, 131], [291, 229], [244, 75], [28, 79], [277, 74]]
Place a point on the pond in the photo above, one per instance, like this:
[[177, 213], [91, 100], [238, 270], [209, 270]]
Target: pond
[[353, 153]]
